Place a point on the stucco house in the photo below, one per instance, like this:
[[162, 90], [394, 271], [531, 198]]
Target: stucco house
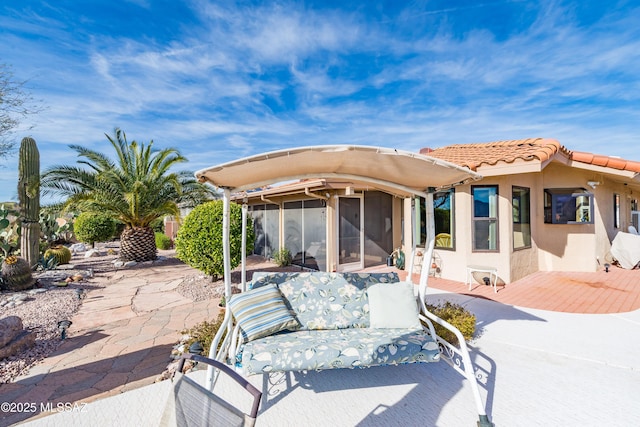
[[538, 207]]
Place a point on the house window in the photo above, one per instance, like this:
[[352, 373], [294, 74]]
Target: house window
[[568, 206], [444, 214], [635, 214], [520, 200], [616, 210], [485, 217]]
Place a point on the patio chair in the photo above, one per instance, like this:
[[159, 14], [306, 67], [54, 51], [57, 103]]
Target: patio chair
[[193, 405], [633, 230], [443, 240]]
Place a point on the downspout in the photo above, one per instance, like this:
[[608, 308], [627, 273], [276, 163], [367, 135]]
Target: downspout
[[264, 199], [314, 195]]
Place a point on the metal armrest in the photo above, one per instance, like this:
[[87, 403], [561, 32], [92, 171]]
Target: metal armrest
[[257, 394]]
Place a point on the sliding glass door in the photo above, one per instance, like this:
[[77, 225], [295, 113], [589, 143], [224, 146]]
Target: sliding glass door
[[350, 235]]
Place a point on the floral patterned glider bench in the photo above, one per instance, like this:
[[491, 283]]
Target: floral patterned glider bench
[[318, 320]]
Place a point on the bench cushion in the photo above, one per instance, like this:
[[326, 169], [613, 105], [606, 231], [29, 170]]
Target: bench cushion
[[341, 348], [322, 300]]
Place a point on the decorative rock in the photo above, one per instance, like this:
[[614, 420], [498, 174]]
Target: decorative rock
[[77, 278], [92, 253], [77, 247], [130, 264], [53, 275], [37, 291], [10, 327], [118, 263], [24, 339]]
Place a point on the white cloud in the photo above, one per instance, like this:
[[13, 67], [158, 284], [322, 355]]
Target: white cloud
[[245, 79]]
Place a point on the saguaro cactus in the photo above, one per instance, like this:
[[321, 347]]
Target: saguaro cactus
[[29, 197]]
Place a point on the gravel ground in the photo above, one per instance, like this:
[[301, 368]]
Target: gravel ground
[[40, 310], [200, 288]]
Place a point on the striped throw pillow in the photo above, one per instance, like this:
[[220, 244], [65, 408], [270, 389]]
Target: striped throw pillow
[[261, 312]]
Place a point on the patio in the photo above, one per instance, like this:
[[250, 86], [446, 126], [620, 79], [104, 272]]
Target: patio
[[616, 291], [538, 368]]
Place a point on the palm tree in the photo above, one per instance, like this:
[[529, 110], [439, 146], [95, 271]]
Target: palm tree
[[135, 190]]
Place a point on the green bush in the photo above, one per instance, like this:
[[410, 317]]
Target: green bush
[[163, 241], [157, 225], [91, 227], [199, 239], [458, 316], [204, 333], [282, 257]]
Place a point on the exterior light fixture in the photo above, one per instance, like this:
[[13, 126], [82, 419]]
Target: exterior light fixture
[[196, 348], [63, 325]]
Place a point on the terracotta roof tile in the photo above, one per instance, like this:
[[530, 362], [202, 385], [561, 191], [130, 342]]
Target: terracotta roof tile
[[541, 149], [490, 153], [605, 161]]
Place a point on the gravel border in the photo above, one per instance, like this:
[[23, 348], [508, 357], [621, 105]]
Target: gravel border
[[40, 309]]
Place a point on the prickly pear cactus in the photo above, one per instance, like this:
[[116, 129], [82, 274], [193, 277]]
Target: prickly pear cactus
[[9, 231], [16, 274], [29, 197], [62, 254]]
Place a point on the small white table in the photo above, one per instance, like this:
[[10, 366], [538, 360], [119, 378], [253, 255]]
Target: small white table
[[492, 271]]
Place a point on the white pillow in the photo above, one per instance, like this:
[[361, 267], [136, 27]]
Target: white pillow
[[393, 305]]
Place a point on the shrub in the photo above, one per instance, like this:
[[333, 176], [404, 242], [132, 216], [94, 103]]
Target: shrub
[[163, 241], [157, 225], [458, 316], [204, 333], [282, 257], [199, 240], [91, 227]]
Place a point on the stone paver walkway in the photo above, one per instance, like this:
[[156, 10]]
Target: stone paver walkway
[[121, 339]]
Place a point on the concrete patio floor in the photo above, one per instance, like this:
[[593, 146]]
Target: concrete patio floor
[[544, 367]]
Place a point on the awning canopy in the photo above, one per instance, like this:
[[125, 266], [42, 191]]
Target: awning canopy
[[397, 171]]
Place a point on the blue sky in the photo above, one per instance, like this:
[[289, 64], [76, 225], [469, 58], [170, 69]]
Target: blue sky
[[222, 80]]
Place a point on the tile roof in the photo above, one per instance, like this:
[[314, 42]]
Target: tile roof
[[605, 161], [490, 153], [532, 149]]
